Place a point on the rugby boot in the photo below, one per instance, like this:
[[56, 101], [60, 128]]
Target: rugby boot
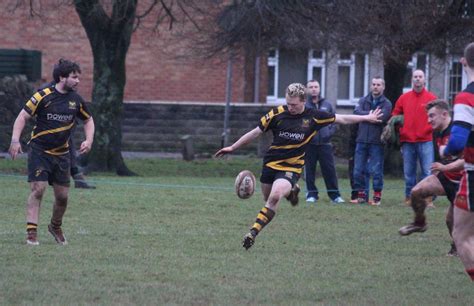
[[293, 196], [57, 233], [32, 237], [412, 228], [249, 240]]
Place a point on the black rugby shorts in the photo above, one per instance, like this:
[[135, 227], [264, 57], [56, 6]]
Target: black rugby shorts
[[51, 168]]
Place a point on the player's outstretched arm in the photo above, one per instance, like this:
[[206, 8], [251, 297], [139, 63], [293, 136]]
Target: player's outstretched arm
[[18, 126], [89, 128], [454, 166], [245, 139], [374, 116]]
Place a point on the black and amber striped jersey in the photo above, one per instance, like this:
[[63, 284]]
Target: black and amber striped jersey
[[55, 115], [291, 135]]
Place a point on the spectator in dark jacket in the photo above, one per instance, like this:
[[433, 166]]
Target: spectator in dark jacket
[[320, 149], [369, 152]]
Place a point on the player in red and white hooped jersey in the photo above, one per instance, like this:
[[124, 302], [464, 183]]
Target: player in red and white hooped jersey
[[462, 138], [445, 177]]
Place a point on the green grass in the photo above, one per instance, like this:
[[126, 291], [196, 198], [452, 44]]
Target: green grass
[[172, 236]]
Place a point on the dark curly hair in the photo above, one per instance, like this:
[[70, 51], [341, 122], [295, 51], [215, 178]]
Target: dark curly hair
[[64, 68]]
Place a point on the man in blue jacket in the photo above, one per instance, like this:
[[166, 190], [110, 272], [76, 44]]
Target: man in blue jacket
[[320, 149], [369, 153]]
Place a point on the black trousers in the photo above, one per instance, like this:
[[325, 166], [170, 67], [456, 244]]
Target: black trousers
[[72, 153], [324, 155]]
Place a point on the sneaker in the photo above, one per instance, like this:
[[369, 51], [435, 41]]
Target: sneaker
[[361, 197], [407, 201], [311, 200], [338, 200], [293, 196], [249, 240], [412, 228], [58, 235], [32, 237], [376, 199], [453, 251], [80, 182], [354, 201], [354, 195]]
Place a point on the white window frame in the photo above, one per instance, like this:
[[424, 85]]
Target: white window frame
[[412, 67], [319, 62], [449, 64], [352, 101], [272, 98]]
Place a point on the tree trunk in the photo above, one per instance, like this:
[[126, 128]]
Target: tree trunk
[[394, 74], [107, 106], [109, 37]]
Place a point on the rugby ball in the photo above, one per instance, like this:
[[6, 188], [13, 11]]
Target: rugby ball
[[245, 184]]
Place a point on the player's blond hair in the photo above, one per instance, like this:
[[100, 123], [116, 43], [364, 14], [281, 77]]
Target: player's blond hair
[[296, 90]]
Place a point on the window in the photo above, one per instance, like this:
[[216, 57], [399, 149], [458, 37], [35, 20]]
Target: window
[[285, 67], [418, 61], [19, 61], [352, 77], [456, 78], [272, 63], [317, 68]]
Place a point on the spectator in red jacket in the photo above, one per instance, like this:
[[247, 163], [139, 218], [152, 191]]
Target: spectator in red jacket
[[416, 133]]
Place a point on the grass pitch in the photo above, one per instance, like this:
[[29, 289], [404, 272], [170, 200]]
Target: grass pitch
[[173, 236]]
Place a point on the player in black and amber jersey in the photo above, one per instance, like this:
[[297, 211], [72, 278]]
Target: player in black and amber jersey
[[55, 109], [292, 126], [445, 176], [76, 174]]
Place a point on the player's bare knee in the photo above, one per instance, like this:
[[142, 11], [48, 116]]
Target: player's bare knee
[[37, 191], [417, 193]]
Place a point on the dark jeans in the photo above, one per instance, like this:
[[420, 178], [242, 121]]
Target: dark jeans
[[323, 154], [354, 191], [368, 157], [413, 152]]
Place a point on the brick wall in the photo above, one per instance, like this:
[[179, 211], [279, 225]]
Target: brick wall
[[154, 73]]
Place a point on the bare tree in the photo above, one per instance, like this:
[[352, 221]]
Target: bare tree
[[399, 29], [259, 25], [109, 26], [402, 29]]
